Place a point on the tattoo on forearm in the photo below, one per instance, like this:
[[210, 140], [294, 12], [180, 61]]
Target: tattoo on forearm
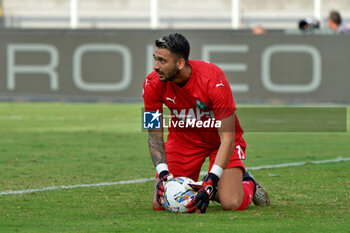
[[156, 149]]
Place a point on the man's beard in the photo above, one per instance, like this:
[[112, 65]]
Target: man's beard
[[171, 75]]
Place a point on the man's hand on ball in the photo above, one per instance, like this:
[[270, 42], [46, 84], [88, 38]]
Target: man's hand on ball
[[201, 199], [164, 177]]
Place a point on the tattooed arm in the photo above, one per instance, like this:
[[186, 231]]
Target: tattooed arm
[[156, 146], [157, 151]]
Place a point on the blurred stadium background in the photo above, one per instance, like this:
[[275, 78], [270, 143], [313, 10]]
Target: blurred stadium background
[[192, 14], [102, 50]]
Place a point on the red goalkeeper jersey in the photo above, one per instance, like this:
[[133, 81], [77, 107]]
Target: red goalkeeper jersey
[[206, 96]]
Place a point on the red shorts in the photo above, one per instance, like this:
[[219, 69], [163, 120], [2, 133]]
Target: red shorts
[[185, 161]]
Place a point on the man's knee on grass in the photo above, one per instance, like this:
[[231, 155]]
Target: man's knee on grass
[[232, 203]]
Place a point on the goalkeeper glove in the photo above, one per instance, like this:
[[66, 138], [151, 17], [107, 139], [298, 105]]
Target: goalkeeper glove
[[205, 193], [164, 177]]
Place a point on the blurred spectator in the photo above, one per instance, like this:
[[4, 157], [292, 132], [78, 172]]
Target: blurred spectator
[[336, 24], [308, 25], [1, 15], [258, 30]]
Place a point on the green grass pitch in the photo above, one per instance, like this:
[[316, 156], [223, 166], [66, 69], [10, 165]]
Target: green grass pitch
[[53, 144]]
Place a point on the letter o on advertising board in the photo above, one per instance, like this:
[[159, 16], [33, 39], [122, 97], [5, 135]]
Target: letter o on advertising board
[[291, 88], [95, 47]]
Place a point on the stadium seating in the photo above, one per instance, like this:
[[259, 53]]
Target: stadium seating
[[173, 14]]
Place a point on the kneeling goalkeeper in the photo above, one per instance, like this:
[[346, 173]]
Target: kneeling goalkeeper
[[197, 90]]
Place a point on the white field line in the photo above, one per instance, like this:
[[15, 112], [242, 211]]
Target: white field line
[[340, 159]]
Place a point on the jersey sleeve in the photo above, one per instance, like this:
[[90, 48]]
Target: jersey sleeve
[[220, 95], [151, 97]]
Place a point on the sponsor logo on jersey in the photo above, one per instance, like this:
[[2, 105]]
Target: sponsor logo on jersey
[[201, 105], [220, 84], [171, 99], [146, 83]]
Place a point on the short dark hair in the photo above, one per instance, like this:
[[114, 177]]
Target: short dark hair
[[175, 43], [335, 17]]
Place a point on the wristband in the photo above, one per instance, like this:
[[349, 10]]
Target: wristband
[[162, 167], [217, 170]]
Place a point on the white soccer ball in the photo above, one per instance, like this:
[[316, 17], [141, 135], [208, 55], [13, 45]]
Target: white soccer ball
[[177, 194]]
